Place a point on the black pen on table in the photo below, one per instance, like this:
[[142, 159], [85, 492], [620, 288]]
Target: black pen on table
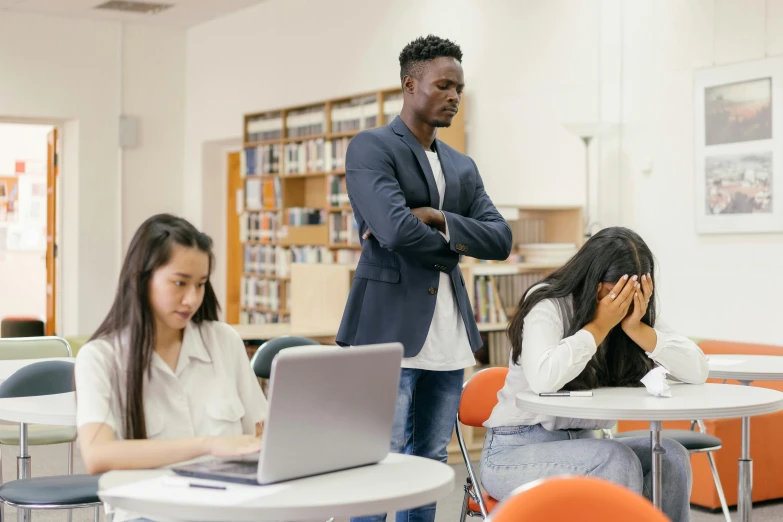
[[567, 394], [205, 486]]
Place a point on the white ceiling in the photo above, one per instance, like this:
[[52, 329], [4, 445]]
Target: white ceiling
[[185, 13]]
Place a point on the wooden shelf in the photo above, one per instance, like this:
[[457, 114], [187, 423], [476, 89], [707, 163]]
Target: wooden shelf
[[313, 174], [266, 276], [346, 134], [491, 269], [310, 190], [256, 242], [264, 310], [492, 327], [249, 144], [305, 138]]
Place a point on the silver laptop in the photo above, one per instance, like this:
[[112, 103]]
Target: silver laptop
[[330, 408]]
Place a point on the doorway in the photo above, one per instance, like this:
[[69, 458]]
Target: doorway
[[29, 174]]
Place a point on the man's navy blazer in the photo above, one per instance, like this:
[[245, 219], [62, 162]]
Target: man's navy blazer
[[395, 286]]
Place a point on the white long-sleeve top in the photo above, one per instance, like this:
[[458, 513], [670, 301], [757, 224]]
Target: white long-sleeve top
[[549, 361]]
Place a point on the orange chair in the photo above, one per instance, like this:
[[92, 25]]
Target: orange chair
[[479, 397], [567, 498]]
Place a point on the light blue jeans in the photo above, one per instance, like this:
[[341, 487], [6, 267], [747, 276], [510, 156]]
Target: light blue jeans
[[427, 404], [515, 455]]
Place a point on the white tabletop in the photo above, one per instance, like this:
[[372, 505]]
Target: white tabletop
[[9, 366], [688, 401], [746, 367], [59, 409], [398, 482]]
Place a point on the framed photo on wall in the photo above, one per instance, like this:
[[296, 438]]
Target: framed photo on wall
[[739, 147]]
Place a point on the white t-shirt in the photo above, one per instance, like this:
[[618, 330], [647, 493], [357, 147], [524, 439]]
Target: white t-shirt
[[549, 361], [212, 392], [446, 347]]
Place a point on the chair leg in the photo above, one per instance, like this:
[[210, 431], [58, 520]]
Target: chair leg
[[70, 458], [70, 472], [2, 504], [719, 487], [97, 513], [463, 515]]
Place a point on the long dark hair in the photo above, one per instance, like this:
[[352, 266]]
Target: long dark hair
[[604, 258], [131, 312]]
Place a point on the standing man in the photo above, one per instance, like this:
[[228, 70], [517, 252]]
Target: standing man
[[420, 204]]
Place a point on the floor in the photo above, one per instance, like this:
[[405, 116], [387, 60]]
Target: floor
[[51, 460]]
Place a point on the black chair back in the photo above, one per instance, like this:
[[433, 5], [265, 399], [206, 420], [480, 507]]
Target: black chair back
[[262, 359], [40, 378]]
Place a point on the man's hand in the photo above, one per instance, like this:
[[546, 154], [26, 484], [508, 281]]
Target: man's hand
[[431, 217], [427, 215]]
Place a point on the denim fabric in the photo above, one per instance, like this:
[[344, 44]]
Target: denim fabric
[[427, 404], [515, 455]]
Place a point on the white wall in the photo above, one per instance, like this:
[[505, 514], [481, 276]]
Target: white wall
[[68, 71], [515, 100], [727, 286], [530, 66]]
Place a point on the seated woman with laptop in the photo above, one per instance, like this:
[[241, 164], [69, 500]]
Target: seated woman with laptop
[[162, 380], [590, 324]]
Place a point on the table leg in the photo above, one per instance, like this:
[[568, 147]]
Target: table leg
[[745, 490], [23, 469], [657, 462]]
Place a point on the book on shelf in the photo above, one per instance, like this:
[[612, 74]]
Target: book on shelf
[[499, 348], [338, 193], [261, 160], [487, 306], [355, 115], [262, 293], [262, 193], [347, 257], [343, 229], [339, 148], [315, 156], [249, 316], [259, 226], [306, 122], [265, 127], [311, 254], [298, 216], [392, 106], [269, 260]]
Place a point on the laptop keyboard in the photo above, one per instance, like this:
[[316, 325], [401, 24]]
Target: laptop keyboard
[[237, 467]]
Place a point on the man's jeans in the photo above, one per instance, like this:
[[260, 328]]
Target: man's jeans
[[427, 404]]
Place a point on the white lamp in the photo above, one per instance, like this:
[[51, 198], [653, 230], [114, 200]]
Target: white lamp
[[587, 131]]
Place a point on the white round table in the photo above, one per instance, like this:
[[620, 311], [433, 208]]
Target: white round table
[[688, 402], [746, 368], [397, 482]]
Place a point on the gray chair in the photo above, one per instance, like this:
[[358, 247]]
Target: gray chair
[[262, 359], [695, 442], [59, 492], [38, 434]]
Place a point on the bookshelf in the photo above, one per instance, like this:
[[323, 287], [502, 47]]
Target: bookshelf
[[544, 237], [287, 202]]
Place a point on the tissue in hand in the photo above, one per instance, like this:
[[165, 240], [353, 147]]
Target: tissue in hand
[[655, 382]]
